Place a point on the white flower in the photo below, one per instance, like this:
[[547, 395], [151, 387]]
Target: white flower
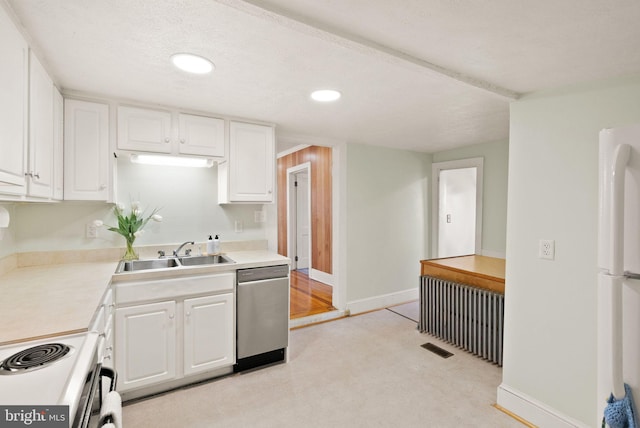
[[120, 206], [136, 212], [98, 223], [156, 217], [135, 205], [138, 233]]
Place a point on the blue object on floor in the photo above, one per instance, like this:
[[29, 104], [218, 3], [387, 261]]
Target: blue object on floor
[[621, 413]]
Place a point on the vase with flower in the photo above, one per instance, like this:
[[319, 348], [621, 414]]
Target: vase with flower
[[130, 226]]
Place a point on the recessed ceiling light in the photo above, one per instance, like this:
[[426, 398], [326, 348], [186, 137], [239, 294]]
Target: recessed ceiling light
[[325, 95], [192, 63]]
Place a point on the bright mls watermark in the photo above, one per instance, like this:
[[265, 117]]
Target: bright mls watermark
[[34, 416]]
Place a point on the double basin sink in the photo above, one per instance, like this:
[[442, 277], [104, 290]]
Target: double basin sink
[[171, 262]]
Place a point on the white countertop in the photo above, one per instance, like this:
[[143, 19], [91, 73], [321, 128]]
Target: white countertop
[[61, 299]]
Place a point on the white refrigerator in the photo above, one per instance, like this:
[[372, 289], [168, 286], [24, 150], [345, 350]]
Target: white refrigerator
[[618, 333]]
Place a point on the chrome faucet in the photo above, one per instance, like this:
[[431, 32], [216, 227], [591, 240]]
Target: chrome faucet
[[175, 252]]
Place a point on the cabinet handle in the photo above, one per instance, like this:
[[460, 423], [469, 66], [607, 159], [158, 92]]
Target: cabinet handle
[[107, 357], [36, 175], [28, 174], [170, 316], [182, 141], [167, 140], [103, 186], [188, 314]]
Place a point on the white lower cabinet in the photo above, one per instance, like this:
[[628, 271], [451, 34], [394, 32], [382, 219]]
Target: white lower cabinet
[[145, 344], [173, 331], [208, 333]]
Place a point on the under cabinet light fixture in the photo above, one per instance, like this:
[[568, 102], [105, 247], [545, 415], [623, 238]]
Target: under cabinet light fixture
[[192, 63], [172, 160]]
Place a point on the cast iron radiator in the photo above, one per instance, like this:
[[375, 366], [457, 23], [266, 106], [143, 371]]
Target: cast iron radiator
[[468, 317]]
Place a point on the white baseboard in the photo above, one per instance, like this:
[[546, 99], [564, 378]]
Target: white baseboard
[[533, 411], [383, 301], [491, 253], [323, 277]]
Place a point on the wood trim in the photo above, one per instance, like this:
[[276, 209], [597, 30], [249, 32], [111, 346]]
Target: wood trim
[[480, 271], [514, 416], [321, 204]]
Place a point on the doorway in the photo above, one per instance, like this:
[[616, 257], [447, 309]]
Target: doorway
[[306, 221], [457, 208]]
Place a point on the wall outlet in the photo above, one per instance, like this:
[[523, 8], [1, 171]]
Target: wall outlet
[[547, 249], [238, 226], [91, 231], [259, 216]]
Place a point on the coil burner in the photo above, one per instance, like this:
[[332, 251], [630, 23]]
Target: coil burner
[[34, 358]]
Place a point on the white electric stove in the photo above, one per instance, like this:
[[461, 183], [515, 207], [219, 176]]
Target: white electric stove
[[50, 371]]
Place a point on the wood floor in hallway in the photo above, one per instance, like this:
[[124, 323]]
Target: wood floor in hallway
[[309, 297]]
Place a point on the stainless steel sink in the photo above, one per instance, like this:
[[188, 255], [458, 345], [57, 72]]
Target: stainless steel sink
[[171, 262], [205, 260], [137, 265]]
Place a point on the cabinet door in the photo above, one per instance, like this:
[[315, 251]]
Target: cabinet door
[[199, 135], [86, 151], [13, 106], [144, 130], [58, 145], [145, 344], [40, 182], [209, 334], [251, 162]]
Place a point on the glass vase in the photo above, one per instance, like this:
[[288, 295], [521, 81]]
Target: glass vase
[[130, 253]]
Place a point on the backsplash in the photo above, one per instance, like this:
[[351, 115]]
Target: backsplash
[[39, 258]]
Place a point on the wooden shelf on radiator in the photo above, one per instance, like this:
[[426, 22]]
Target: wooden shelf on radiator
[[480, 271]]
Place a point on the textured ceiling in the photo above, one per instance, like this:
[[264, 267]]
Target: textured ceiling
[[423, 75]]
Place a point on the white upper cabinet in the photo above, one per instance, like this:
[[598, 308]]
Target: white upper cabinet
[[200, 135], [86, 151], [40, 170], [58, 145], [248, 175], [13, 106], [160, 131], [144, 130]]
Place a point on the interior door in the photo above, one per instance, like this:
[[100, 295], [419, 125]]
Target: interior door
[[457, 213], [457, 208], [302, 220]]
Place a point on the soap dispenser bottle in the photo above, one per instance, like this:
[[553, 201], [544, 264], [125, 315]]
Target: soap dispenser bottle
[[210, 246], [216, 245]]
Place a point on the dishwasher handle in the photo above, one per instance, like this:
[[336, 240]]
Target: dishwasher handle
[[262, 273]]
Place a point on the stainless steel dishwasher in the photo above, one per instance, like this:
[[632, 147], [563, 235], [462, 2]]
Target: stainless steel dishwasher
[[262, 316]]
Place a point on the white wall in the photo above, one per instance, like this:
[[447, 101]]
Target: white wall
[[187, 198], [386, 221], [494, 193], [550, 315]]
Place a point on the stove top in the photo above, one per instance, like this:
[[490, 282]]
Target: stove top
[[50, 371], [34, 358]]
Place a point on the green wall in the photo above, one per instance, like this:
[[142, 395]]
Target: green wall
[[550, 313], [386, 219]]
